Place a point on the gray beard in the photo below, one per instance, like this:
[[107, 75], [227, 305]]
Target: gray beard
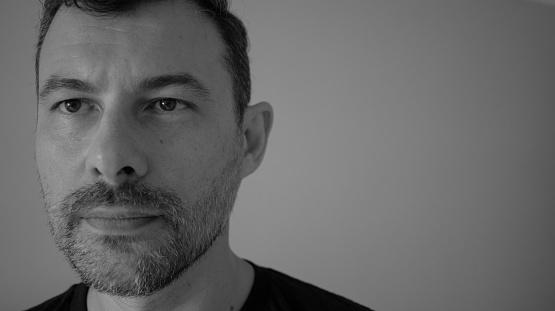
[[128, 266]]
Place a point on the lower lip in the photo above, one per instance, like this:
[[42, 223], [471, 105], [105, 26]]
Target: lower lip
[[123, 226]]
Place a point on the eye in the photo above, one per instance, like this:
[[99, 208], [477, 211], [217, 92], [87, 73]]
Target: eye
[[169, 104], [72, 106]]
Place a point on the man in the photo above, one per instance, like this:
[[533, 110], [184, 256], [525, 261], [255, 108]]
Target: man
[[144, 134]]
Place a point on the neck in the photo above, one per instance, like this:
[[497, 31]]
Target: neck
[[218, 281]]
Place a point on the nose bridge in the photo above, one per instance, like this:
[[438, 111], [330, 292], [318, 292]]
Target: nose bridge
[[115, 154]]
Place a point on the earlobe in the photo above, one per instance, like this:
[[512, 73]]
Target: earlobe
[[257, 124]]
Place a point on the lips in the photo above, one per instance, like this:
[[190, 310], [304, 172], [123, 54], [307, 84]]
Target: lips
[[119, 224], [118, 221]]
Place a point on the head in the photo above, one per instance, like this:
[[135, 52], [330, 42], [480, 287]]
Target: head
[[143, 135]]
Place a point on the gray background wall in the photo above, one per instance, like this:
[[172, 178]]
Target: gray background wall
[[411, 166]]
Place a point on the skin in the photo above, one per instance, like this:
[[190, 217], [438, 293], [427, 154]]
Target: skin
[[117, 136]]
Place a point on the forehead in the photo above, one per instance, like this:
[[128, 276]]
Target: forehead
[[160, 38]]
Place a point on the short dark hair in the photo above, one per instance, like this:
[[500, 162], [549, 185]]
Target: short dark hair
[[230, 28]]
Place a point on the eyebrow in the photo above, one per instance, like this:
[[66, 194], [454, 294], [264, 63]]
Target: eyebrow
[[182, 79], [55, 83], [150, 84]]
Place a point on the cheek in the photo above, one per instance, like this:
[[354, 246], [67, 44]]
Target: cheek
[[59, 159], [189, 162], [179, 158], [60, 137]]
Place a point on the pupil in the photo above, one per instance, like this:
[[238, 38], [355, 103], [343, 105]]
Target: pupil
[[168, 104], [73, 106]]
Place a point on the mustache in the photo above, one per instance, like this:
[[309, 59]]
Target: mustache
[[130, 194]]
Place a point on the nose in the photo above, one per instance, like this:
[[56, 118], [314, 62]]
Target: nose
[[115, 155]]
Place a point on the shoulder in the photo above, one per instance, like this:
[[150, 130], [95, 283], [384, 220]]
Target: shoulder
[[302, 294], [287, 293], [74, 299]]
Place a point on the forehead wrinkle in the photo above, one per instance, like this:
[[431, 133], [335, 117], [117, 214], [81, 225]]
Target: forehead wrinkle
[[98, 36], [66, 45], [123, 29]]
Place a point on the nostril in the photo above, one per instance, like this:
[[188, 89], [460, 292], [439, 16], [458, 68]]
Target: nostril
[[128, 170]]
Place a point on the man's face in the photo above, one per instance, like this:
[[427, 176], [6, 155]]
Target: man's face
[[137, 145]]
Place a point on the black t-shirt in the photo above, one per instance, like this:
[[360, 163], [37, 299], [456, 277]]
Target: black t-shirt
[[271, 291]]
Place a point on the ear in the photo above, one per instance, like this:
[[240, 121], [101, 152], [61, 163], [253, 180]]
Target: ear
[[257, 123]]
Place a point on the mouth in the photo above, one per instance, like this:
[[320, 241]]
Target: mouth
[[120, 221]]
